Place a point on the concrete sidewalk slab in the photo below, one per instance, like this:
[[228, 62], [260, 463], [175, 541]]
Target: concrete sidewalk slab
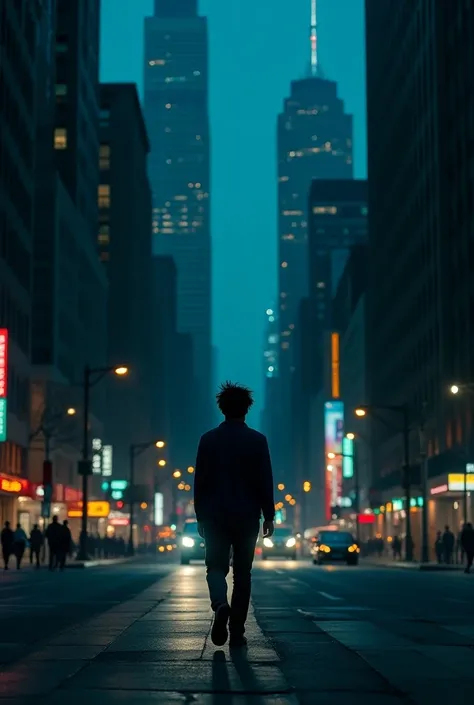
[[415, 565]]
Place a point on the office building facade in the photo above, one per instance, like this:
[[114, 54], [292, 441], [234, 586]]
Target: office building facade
[[421, 290], [124, 244], [18, 109], [176, 110]]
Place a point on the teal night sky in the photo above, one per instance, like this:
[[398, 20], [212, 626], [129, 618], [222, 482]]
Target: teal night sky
[[256, 48]]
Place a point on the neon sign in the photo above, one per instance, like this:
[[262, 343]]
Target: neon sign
[[3, 382], [7, 485], [333, 437]]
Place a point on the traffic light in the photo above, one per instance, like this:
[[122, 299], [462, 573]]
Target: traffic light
[[307, 486], [120, 504]]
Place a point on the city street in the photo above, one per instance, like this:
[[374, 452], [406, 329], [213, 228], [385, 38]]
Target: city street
[[139, 633]]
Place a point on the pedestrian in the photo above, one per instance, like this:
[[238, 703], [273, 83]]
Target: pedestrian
[[396, 548], [7, 543], [439, 551], [233, 486], [20, 541], [65, 542], [448, 540], [53, 536], [36, 542], [467, 543]]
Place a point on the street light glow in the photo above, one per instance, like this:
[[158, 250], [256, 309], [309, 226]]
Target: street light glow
[[162, 463], [288, 497], [121, 370], [281, 486], [71, 411], [360, 412], [331, 456], [190, 469], [454, 389], [350, 436], [160, 444], [177, 473]]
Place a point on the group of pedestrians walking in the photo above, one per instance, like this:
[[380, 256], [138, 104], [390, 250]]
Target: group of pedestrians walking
[[450, 549], [58, 537]]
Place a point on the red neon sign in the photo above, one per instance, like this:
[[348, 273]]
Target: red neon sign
[[12, 484], [366, 519], [3, 362]]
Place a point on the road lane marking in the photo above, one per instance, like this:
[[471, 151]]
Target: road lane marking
[[328, 596]]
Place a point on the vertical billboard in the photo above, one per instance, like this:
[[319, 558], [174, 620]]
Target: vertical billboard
[[107, 461], [3, 382], [347, 457], [158, 513], [333, 438], [96, 456]]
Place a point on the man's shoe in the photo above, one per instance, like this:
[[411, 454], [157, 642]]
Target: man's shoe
[[237, 642], [219, 632]]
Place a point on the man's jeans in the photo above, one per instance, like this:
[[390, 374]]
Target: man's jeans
[[219, 539]]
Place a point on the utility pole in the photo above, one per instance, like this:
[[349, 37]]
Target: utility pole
[[407, 483], [425, 551]]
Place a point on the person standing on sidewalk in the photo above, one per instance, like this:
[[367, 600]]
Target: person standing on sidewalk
[[65, 542], [233, 486], [20, 541], [36, 541], [467, 543], [53, 536], [7, 543], [448, 545]]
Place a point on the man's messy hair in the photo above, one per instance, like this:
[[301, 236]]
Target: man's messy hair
[[234, 400]]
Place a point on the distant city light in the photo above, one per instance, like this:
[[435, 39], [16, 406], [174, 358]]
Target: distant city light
[[269, 312]]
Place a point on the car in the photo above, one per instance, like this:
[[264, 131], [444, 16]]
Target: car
[[191, 544], [335, 546], [281, 545]]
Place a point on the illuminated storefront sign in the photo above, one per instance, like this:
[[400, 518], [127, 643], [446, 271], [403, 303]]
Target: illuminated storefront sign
[[96, 456], [95, 510], [107, 461], [457, 482], [158, 509], [119, 521], [347, 457], [333, 437], [3, 382], [13, 485]]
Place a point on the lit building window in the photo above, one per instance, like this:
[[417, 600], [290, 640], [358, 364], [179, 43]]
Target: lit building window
[[198, 185], [104, 157], [285, 346], [180, 198], [321, 285], [168, 106], [104, 196], [60, 138], [282, 179], [289, 236], [198, 137], [190, 185], [321, 210], [157, 62], [292, 212], [196, 73], [167, 231], [61, 90], [284, 265]]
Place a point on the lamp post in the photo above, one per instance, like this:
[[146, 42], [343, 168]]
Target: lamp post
[[457, 389], [91, 377], [402, 410], [136, 449]]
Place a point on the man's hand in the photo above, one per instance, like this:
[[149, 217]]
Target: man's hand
[[268, 529], [200, 530]]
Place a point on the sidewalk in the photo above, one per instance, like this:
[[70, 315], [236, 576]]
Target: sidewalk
[[415, 565]]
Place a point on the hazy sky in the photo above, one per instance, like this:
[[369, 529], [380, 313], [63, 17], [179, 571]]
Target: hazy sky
[[256, 48]]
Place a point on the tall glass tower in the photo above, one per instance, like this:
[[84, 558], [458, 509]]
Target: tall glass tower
[[176, 112], [314, 141]]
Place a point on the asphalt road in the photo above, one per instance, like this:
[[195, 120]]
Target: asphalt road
[[139, 633]]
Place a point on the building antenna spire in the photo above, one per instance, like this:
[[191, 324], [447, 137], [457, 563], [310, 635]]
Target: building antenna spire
[[314, 38]]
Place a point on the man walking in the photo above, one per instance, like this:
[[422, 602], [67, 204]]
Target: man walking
[[233, 487], [467, 543]]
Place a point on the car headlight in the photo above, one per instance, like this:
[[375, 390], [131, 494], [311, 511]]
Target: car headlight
[[354, 548], [291, 542], [188, 542], [268, 543], [324, 549]]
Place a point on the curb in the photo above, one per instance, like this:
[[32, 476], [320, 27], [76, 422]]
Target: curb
[[81, 565], [428, 567]]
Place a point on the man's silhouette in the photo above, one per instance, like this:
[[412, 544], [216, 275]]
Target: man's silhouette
[[233, 487]]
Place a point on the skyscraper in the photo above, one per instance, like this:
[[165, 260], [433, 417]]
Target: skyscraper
[[314, 142], [176, 110]]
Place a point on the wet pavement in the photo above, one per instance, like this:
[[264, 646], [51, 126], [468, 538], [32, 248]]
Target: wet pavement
[[139, 633]]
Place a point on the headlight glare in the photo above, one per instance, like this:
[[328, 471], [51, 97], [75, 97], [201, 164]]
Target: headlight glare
[[291, 542], [188, 542], [268, 543]]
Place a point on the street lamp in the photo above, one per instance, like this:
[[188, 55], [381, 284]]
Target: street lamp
[[136, 449], [177, 473], [162, 463], [190, 469], [454, 389], [281, 486], [71, 411], [402, 410], [91, 377]]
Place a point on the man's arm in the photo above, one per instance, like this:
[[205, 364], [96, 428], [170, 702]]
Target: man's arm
[[267, 501], [200, 472]]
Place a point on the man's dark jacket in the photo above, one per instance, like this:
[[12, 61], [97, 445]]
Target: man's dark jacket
[[233, 475]]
